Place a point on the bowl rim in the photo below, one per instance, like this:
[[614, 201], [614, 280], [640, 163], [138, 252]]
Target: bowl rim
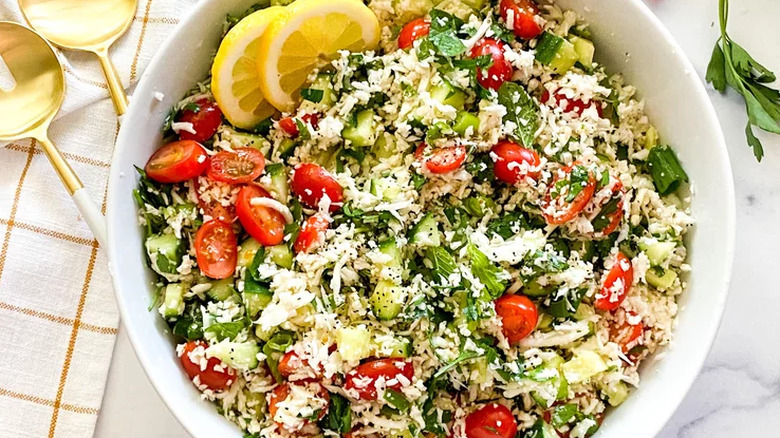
[[676, 394]]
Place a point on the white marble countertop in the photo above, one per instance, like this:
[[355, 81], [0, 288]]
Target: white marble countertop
[[738, 391]]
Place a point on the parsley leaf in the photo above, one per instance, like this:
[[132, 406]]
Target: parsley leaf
[[443, 33], [312, 94], [339, 417], [443, 262], [487, 272], [520, 110]]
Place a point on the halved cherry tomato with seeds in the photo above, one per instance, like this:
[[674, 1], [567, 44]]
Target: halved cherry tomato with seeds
[[364, 377], [617, 284], [501, 70], [217, 376], [239, 167], [412, 31], [312, 234], [558, 206], [205, 120], [520, 16], [282, 392], [626, 334], [311, 182], [213, 207], [216, 249], [571, 105], [513, 163], [177, 162], [518, 315], [264, 223], [288, 125], [491, 421], [441, 160]]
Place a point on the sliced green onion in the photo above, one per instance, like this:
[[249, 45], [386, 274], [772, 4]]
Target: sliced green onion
[[666, 170], [397, 400], [312, 94]]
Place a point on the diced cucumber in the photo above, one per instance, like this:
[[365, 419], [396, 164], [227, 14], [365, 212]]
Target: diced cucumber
[[556, 52], [584, 311], [239, 355], [286, 148], [651, 138], [362, 133], [390, 247], [387, 300], [545, 321], [616, 393], [558, 382], [247, 140], [657, 251], [583, 366], [254, 303], [386, 188], [585, 50], [425, 232], [585, 248], [446, 94], [384, 146], [281, 255], [400, 347], [464, 121], [354, 343], [462, 9], [663, 281], [323, 82], [278, 185], [222, 289], [246, 254], [173, 300], [534, 289], [165, 251]]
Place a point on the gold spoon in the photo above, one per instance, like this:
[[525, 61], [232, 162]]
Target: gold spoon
[[87, 25], [27, 109]]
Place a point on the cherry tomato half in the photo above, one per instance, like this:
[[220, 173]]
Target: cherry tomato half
[[310, 182], [441, 160], [616, 216], [293, 368], [281, 392], [413, 30], [557, 207], [177, 162], [571, 105], [216, 376], [491, 421], [216, 249], [213, 207], [520, 17], [626, 334], [518, 316], [264, 223], [288, 125], [364, 377], [616, 285], [513, 163], [501, 70], [312, 234], [205, 120], [239, 167]]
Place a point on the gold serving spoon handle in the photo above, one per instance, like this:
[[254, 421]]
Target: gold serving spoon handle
[[86, 25], [27, 109]]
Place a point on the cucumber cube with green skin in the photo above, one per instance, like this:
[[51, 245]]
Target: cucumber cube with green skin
[[254, 303], [384, 146], [246, 254], [583, 366], [221, 290], [400, 347], [390, 247], [661, 281], [239, 355], [464, 121], [278, 184], [173, 300], [425, 232], [281, 255], [616, 393], [247, 140], [386, 188], [534, 289], [362, 133], [354, 343], [165, 251], [585, 50], [446, 94], [556, 52], [564, 59], [323, 83], [657, 251], [286, 148], [387, 300]]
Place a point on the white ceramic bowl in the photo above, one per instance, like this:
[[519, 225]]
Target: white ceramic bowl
[[629, 39]]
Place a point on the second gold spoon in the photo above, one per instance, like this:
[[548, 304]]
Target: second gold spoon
[[87, 25]]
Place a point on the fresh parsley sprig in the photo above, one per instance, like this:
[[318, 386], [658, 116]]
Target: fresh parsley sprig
[[732, 65]]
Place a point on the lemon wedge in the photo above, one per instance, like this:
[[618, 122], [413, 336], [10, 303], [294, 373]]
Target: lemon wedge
[[310, 37], [234, 76]]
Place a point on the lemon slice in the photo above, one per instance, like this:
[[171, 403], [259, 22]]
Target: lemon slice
[[234, 77], [310, 37]]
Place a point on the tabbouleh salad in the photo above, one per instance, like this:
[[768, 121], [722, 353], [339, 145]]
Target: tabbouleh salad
[[472, 230]]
